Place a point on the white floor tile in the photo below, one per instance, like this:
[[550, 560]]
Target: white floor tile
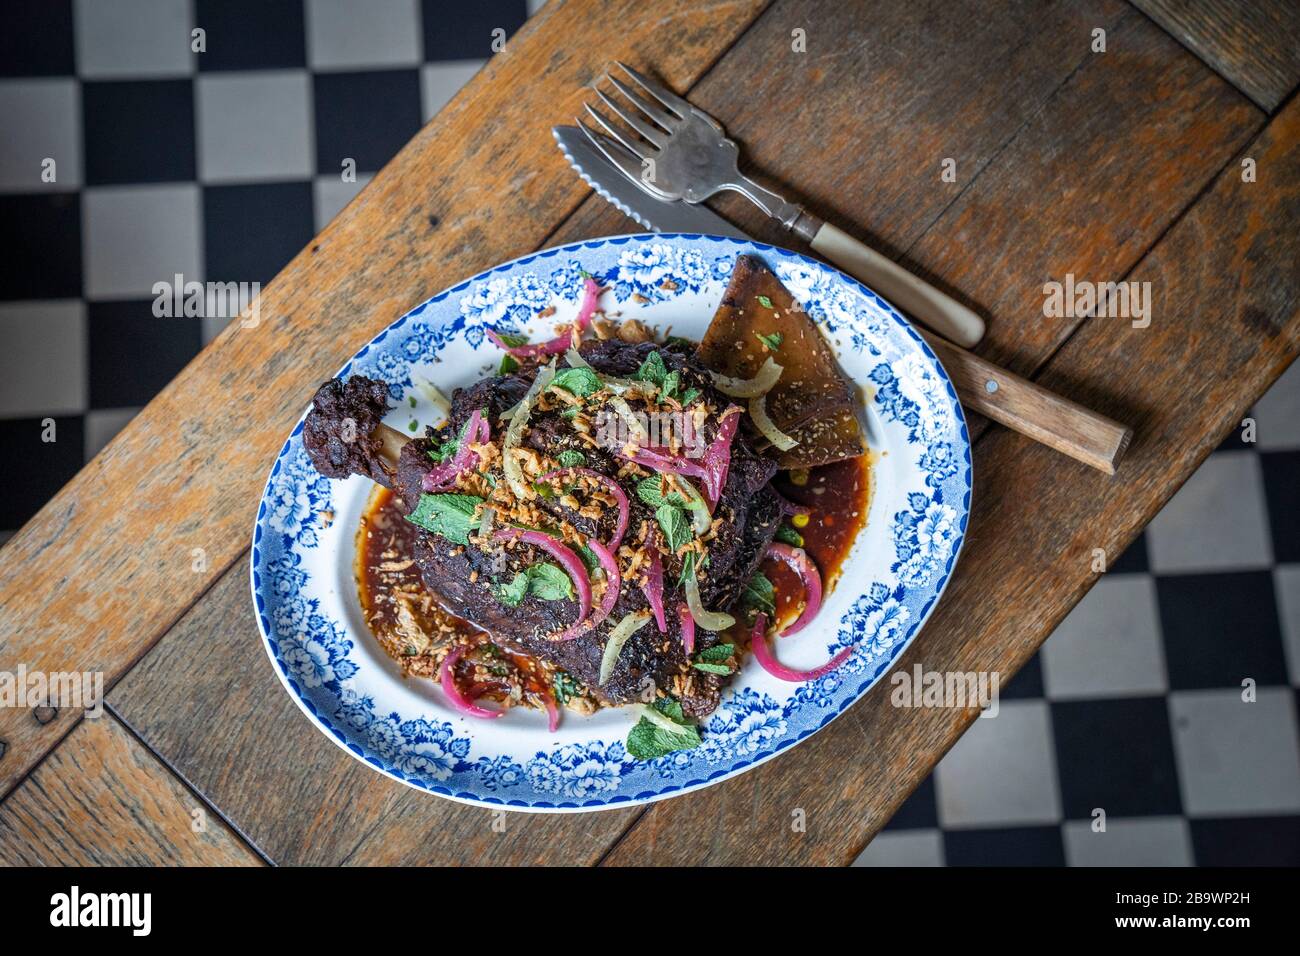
[[1236, 758], [331, 194], [439, 82], [136, 236], [903, 848], [102, 424], [1109, 645], [40, 120], [347, 35], [117, 39], [1286, 585], [1215, 522], [43, 358], [254, 126], [1137, 841], [1002, 771]]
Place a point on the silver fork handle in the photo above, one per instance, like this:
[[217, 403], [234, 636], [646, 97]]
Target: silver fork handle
[[779, 208]]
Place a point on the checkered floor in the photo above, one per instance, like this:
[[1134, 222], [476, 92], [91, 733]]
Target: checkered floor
[[220, 165]]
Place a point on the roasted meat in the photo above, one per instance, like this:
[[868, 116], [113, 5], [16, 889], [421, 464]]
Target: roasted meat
[[343, 436]]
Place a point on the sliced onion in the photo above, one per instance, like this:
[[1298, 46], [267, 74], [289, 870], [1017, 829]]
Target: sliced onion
[[701, 512], [763, 654], [760, 384], [654, 581], [688, 628], [571, 563], [709, 620], [624, 629], [439, 401], [485, 523], [613, 585], [552, 712], [447, 677], [799, 562], [657, 460], [625, 412], [590, 297], [442, 477], [518, 422], [610, 485], [717, 457], [758, 412]]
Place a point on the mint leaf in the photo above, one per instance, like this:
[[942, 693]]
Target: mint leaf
[[765, 302], [449, 516], [677, 530], [577, 381], [759, 594], [787, 535], [508, 364], [672, 382], [716, 654], [647, 489], [513, 339], [647, 740], [513, 594], [691, 395], [712, 668], [566, 688], [772, 341], [652, 370], [549, 582], [570, 458]]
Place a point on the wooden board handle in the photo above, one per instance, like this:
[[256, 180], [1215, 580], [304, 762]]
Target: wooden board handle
[[1022, 406]]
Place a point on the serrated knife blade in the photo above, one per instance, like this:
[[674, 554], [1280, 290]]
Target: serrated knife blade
[[612, 186]]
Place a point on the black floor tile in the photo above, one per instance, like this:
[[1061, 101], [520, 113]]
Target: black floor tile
[[1247, 841], [133, 353], [41, 238], [36, 39], [138, 131], [366, 117], [1219, 629], [1117, 755], [1134, 558], [34, 468], [464, 31], [1282, 489], [1027, 683], [918, 811], [251, 231], [1020, 846], [252, 34]]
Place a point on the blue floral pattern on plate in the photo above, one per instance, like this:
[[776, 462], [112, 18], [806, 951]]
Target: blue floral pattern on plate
[[316, 637]]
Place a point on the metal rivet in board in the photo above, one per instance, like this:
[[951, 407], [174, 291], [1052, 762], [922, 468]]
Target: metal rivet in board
[[991, 386], [44, 714]]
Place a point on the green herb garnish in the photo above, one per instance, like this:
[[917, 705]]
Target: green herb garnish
[[577, 381], [677, 530], [765, 302], [648, 740], [713, 660], [508, 364], [543, 580], [772, 341], [450, 516], [566, 688], [569, 458], [652, 370], [787, 535], [647, 489], [759, 594]]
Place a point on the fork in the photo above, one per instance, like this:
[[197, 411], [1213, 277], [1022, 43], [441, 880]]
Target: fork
[[680, 152]]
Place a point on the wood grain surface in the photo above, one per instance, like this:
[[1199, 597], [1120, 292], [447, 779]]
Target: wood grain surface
[[1227, 323], [1254, 44], [104, 800], [103, 570], [1067, 162]]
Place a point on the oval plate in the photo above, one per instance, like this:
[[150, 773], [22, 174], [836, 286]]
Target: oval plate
[[302, 566]]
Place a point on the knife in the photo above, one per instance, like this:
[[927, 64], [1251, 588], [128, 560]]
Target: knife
[[981, 386]]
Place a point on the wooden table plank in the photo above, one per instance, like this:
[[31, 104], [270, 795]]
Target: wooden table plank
[[1227, 323], [208, 699], [104, 800], [109, 564], [174, 717], [1254, 44]]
